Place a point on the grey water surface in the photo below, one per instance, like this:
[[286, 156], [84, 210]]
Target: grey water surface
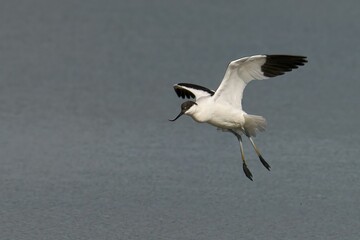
[[86, 151]]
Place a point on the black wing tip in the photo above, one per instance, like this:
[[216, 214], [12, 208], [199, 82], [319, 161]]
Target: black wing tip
[[276, 65], [284, 56], [286, 59], [197, 87], [184, 93]]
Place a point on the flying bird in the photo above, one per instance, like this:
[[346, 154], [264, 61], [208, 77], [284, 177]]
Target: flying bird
[[223, 109]]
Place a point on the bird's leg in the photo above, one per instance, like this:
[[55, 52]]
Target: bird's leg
[[262, 160], [245, 168]]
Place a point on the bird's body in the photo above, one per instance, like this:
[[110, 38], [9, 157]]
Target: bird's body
[[223, 109], [221, 115]]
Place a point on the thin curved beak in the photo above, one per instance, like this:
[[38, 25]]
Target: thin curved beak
[[181, 113]]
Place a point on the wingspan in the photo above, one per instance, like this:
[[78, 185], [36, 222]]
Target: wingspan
[[190, 90], [240, 72]]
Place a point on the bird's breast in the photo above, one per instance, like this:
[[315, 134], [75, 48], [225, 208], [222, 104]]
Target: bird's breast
[[202, 114], [219, 115]]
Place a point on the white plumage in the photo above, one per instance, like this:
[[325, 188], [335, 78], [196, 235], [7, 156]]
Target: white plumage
[[223, 109]]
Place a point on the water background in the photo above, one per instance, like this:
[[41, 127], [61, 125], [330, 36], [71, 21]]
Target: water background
[[86, 151]]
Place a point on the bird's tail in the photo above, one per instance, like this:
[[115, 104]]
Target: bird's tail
[[254, 123]]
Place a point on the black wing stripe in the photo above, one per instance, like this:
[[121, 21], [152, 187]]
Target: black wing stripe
[[181, 92], [184, 93], [276, 65], [197, 87]]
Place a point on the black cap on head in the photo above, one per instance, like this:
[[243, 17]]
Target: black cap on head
[[187, 105], [184, 107]]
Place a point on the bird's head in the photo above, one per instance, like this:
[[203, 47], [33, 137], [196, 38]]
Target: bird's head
[[186, 108]]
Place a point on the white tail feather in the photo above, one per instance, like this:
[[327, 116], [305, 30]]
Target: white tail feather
[[254, 123]]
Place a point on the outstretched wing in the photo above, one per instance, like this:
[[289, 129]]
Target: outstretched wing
[[190, 90], [240, 72]]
